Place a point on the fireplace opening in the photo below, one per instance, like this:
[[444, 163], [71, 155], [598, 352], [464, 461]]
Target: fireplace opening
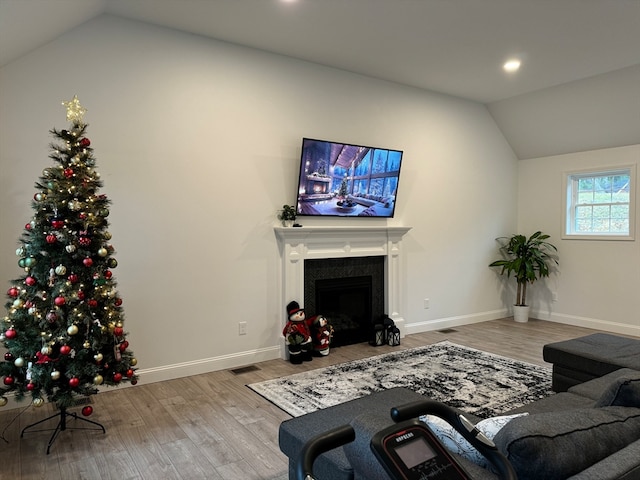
[[349, 292], [346, 302]]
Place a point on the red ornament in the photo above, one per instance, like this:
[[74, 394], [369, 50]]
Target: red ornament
[[30, 281], [118, 331], [27, 226], [88, 410], [84, 241], [73, 278], [93, 303], [13, 292], [108, 274], [82, 216], [51, 238], [8, 380], [9, 357], [59, 301], [74, 382], [129, 373], [65, 350], [51, 316], [117, 377], [10, 334], [118, 302], [57, 223], [85, 142], [68, 172], [123, 346], [87, 262], [31, 386], [80, 295]]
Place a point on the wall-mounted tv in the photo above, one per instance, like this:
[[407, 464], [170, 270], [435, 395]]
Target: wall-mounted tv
[[344, 180]]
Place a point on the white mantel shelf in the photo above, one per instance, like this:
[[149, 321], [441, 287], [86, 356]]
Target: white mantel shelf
[[297, 244]]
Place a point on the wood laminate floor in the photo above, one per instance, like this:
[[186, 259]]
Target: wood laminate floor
[[211, 426]]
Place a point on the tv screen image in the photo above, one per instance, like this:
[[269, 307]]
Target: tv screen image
[[344, 180]]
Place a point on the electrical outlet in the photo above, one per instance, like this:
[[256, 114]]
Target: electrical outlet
[[426, 303], [242, 328]]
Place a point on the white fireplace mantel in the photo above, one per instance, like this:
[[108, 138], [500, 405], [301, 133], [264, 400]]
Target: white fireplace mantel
[[297, 244]]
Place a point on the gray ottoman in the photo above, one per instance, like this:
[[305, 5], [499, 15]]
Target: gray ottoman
[[585, 358]]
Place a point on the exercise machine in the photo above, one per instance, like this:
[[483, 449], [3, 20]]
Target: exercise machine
[[408, 449]]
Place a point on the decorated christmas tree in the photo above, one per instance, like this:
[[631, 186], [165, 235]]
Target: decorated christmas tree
[[63, 330]]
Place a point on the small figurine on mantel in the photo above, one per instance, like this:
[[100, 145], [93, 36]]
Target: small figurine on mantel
[[297, 334]]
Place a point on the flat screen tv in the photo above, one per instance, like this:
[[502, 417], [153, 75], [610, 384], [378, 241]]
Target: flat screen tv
[[344, 180]]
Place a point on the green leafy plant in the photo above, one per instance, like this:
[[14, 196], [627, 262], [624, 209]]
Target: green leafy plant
[[288, 212], [527, 259]]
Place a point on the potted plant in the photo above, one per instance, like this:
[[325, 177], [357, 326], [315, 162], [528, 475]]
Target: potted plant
[[287, 215], [527, 259]]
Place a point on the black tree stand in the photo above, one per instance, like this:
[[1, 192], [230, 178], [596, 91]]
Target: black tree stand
[[62, 425]]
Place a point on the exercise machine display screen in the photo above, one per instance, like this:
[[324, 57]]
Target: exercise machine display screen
[[410, 451], [415, 452]]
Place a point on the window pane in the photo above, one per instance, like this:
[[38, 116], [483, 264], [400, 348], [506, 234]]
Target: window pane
[[583, 212], [619, 225], [585, 197], [600, 225], [601, 212], [585, 184], [583, 225]]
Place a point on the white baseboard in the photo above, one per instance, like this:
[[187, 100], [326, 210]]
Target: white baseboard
[[185, 369], [449, 322], [586, 322]]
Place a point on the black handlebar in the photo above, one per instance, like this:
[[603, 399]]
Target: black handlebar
[[318, 445], [474, 436]]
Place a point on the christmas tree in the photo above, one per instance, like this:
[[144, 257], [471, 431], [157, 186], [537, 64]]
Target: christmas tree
[[63, 330]]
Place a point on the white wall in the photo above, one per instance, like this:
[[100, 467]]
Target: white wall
[[198, 143], [597, 283]]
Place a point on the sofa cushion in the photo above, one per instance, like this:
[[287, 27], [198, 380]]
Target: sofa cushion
[[556, 445], [624, 392], [595, 388]]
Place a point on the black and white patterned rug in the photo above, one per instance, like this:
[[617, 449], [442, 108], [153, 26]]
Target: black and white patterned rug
[[477, 382]]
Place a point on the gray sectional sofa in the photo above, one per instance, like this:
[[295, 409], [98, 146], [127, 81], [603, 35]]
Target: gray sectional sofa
[[591, 431]]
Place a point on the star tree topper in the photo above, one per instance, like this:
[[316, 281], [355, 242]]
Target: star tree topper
[[75, 111]]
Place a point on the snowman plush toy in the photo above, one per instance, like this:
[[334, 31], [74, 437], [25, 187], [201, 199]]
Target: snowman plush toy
[[297, 334]]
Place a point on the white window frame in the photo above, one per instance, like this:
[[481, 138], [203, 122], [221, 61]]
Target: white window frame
[[569, 180]]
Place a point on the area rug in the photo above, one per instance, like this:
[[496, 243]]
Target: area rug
[[477, 382]]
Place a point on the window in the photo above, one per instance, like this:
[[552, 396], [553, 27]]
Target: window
[[600, 204]]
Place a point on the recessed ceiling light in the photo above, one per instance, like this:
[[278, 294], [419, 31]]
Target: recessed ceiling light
[[512, 65]]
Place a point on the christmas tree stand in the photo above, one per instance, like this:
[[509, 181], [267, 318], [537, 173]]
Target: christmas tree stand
[[62, 425]]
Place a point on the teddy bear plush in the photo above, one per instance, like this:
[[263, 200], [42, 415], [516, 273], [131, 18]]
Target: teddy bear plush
[[297, 334]]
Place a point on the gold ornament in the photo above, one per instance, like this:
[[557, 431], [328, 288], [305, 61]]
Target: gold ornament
[[97, 380], [75, 111], [133, 362], [3, 401], [72, 330], [55, 375], [38, 402]]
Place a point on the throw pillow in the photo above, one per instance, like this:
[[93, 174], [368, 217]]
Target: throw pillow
[[456, 443], [557, 445], [623, 392]]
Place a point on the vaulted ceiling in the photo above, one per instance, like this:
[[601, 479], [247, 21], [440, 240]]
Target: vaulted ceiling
[[456, 47]]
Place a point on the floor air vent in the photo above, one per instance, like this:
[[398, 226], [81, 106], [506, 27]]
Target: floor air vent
[[247, 369], [448, 330]]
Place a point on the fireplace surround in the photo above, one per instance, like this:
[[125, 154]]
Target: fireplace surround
[[297, 244]]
